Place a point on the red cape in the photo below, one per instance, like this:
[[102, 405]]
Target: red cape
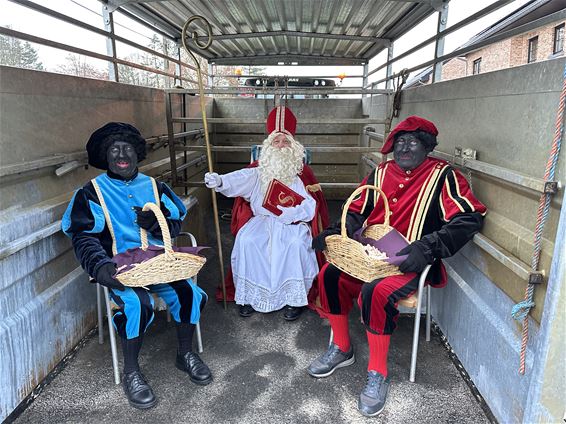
[[242, 212]]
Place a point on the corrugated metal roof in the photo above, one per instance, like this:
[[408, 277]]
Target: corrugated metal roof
[[270, 31]]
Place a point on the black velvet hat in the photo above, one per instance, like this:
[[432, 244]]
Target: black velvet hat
[[100, 140]]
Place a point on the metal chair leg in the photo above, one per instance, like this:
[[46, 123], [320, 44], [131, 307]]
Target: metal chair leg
[[113, 347], [199, 338], [428, 313], [417, 325], [99, 311]]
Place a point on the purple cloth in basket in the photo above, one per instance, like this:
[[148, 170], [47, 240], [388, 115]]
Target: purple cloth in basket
[[390, 244], [136, 255]]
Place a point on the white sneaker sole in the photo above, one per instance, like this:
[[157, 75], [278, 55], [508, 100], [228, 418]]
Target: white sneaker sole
[[340, 365], [365, 414]]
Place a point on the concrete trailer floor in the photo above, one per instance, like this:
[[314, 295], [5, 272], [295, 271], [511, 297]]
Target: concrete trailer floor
[[259, 366]]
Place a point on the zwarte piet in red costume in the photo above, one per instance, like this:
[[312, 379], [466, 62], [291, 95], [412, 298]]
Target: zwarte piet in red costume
[[433, 207]]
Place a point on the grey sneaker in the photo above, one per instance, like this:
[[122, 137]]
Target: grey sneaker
[[373, 396], [330, 360]]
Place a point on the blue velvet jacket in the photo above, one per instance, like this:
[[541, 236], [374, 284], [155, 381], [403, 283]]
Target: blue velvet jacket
[[85, 224]]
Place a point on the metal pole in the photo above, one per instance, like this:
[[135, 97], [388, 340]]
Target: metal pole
[[210, 75], [195, 36], [110, 43], [99, 311], [178, 69], [113, 345], [389, 70], [365, 77], [166, 62], [439, 48]]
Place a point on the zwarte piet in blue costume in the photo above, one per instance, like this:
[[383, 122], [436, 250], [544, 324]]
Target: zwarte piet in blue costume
[[117, 148]]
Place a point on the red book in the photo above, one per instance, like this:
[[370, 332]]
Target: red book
[[279, 194]]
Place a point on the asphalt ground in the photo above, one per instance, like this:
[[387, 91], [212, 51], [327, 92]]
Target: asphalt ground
[[259, 368]]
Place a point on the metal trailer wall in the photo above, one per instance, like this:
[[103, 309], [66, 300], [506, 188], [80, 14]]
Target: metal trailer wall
[[508, 118], [46, 303]]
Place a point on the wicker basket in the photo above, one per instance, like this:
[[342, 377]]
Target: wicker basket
[[349, 255], [164, 268]]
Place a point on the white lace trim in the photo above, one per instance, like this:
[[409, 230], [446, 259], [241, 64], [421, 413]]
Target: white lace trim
[[292, 292]]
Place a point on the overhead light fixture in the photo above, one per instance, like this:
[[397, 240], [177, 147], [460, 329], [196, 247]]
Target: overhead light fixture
[[323, 82], [315, 82], [294, 63], [257, 82], [281, 63]]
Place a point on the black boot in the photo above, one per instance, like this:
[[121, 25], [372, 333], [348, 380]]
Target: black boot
[[246, 311], [198, 371], [185, 333], [292, 312], [187, 360], [137, 390]]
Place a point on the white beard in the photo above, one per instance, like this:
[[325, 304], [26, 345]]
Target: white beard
[[283, 164]]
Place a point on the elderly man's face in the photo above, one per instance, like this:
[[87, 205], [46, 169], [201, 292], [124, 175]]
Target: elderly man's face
[[122, 159], [280, 141], [409, 152]]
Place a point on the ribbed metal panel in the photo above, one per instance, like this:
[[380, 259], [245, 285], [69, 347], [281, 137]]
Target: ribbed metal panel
[[312, 31]]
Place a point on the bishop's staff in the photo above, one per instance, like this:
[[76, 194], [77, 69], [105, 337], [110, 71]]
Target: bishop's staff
[[194, 36]]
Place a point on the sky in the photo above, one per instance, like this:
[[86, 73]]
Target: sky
[[90, 11]]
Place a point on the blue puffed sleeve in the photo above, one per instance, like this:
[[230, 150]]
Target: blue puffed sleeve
[[84, 222], [173, 210], [172, 203], [82, 215]]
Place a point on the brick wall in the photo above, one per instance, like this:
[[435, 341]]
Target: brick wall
[[504, 54], [456, 68]]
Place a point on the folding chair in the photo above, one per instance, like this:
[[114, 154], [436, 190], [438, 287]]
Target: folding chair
[[415, 302], [111, 331]]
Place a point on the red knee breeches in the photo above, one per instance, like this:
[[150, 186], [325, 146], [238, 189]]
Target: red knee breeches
[[377, 300]]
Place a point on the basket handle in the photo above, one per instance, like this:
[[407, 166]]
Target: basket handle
[[351, 199], [162, 224]]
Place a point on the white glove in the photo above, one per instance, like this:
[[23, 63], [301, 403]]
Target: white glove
[[212, 180], [288, 216]]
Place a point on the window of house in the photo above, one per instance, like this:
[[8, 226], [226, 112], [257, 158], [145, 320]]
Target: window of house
[[558, 39], [533, 47], [477, 66]]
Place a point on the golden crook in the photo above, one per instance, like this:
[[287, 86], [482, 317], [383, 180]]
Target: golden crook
[[195, 37]]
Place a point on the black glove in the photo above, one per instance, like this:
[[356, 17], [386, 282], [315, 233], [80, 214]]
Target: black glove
[[146, 219], [319, 242], [105, 277], [417, 259]]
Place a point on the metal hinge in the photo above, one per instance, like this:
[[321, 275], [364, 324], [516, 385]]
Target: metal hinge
[[551, 187], [536, 277]]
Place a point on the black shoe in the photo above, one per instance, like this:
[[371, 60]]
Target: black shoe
[[198, 371], [137, 390], [331, 360], [246, 311], [373, 396], [292, 312]]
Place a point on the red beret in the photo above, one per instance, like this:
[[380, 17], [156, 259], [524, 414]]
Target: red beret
[[412, 123], [281, 119]]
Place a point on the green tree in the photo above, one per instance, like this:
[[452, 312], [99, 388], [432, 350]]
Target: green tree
[[14, 52]]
